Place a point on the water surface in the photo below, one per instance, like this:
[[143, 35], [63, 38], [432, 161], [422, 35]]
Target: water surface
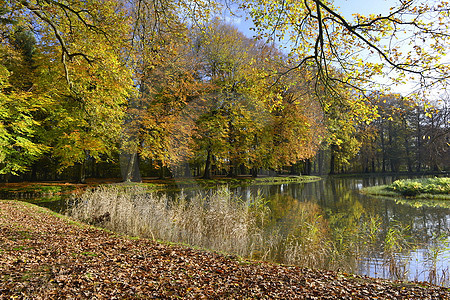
[[418, 237], [337, 227]]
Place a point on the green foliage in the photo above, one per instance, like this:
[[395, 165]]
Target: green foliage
[[414, 187], [82, 80], [19, 144]]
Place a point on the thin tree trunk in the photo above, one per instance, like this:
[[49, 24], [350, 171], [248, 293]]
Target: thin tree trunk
[[254, 172], [332, 160], [408, 157], [207, 173], [162, 172], [419, 140], [34, 173], [187, 170], [383, 150]]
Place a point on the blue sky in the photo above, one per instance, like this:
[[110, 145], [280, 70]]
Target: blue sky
[[349, 7], [346, 8]]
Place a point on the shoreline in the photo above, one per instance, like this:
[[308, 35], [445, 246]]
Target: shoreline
[[47, 255], [24, 190]]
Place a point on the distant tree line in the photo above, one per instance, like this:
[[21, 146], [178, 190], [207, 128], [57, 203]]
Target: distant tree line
[[408, 136]]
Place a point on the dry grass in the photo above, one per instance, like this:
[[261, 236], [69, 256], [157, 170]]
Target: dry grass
[[220, 221], [216, 220]]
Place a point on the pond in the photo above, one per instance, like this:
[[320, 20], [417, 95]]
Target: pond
[[329, 224], [394, 240]]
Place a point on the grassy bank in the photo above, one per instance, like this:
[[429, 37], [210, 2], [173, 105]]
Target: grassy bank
[[46, 256], [196, 183], [417, 192], [420, 188]]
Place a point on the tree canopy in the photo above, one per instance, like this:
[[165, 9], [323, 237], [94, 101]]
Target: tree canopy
[[171, 85]]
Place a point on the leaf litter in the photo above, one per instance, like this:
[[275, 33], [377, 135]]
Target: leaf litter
[[45, 256]]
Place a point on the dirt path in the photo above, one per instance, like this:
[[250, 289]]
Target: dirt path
[[43, 256]]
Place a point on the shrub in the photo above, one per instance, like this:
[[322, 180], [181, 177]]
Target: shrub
[[406, 187], [414, 187]]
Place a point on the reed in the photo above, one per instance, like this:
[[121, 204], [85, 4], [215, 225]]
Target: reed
[[214, 220], [220, 221]]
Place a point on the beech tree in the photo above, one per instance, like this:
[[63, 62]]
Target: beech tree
[[21, 107], [225, 57], [406, 45], [81, 81], [82, 73], [408, 41], [164, 75]]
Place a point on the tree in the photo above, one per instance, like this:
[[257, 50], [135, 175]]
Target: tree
[[21, 107], [409, 135], [227, 58], [435, 136], [317, 34], [18, 127], [407, 44], [88, 88], [163, 70]]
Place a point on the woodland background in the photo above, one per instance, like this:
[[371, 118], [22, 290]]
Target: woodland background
[[133, 88]]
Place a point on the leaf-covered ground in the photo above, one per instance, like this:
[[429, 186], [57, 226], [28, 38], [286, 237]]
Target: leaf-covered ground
[[43, 256]]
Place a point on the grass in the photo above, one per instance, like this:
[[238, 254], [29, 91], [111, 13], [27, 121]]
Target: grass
[[195, 183], [54, 191], [35, 192], [213, 220], [417, 192], [33, 188], [427, 186], [220, 221], [217, 221]]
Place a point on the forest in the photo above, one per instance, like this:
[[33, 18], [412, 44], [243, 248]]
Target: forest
[[146, 88]]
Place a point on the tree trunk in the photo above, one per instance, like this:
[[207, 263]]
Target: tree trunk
[[332, 160], [187, 170], [308, 167], [82, 172], [207, 173], [391, 148], [254, 172], [130, 167], [320, 162], [34, 173], [383, 150], [162, 172], [132, 173], [419, 140]]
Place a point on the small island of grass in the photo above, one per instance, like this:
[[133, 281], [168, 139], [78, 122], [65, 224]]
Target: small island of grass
[[422, 189]]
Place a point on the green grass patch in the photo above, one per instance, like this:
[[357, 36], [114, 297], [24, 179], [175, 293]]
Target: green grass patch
[[416, 192], [414, 187], [34, 188]]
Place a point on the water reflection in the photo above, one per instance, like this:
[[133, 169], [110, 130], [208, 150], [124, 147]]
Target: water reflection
[[416, 249], [329, 224]]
